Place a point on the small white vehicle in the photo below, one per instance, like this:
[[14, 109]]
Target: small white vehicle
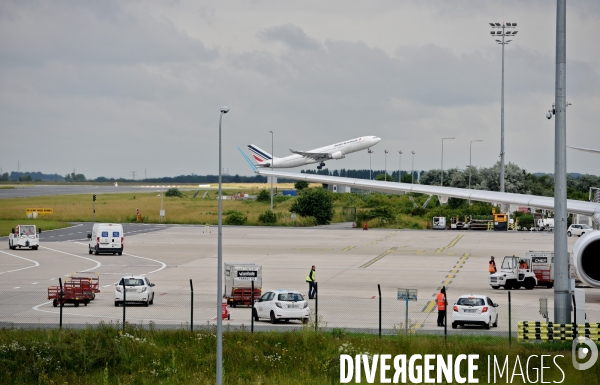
[[474, 310], [24, 236], [106, 238], [281, 305], [514, 273], [138, 290], [439, 223], [578, 230]]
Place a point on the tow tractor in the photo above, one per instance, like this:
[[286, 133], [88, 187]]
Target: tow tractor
[[24, 236], [512, 276]]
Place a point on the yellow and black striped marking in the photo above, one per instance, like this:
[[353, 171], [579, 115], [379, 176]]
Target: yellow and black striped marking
[[348, 248], [451, 244]]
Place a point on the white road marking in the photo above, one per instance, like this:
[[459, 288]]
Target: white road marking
[[18, 287], [23, 268], [150, 259], [111, 285], [98, 264], [35, 283]]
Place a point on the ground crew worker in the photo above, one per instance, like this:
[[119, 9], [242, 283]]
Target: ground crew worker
[[311, 278], [492, 267], [523, 265], [441, 305]]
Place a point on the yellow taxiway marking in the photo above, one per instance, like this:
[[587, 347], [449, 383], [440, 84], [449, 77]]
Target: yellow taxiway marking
[[429, 307], [451, 244], [348, 248], [377, 258]]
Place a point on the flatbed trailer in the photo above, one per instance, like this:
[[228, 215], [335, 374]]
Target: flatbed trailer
[[243, 296], [70, 294], [88, 282]]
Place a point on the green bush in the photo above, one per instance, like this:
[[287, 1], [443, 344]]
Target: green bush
[[235, 218], [301, 185], [268, 218], [263, 196], [314, 202], [174, 192]]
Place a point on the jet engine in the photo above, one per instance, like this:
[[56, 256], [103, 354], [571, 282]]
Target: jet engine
[[337, 155], [586, 258]]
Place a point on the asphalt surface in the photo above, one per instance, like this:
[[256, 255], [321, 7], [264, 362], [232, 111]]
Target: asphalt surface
[[350, 265]]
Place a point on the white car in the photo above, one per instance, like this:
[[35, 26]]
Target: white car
[[281, 305], [474, 310], [138, 290], [578, 230]]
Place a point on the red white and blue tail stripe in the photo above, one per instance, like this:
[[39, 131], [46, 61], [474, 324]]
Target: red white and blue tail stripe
[[260, 155]]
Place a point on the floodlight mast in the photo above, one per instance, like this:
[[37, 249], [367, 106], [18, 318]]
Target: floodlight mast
[[502, 42]]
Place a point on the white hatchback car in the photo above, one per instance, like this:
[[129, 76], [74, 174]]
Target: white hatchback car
[[139, 290], [474, 310], [578, 230], [281, 305]]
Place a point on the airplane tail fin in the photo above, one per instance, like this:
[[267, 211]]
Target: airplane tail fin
[[261, 156]]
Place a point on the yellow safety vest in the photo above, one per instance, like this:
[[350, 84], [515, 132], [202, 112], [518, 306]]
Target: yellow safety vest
[[314, 276]]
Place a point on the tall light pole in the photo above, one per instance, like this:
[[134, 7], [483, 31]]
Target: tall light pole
[[370, 167], [443, 159], [496, 34], [470, 144], [412, 171], [272, 160], [385, 171], [400, 168], [219, 373]]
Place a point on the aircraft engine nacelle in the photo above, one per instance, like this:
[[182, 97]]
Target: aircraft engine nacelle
[[337, 155], [586, 258]]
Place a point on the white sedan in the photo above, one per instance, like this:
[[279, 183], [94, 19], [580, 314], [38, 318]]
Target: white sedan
[[281, 305], [578, 230], [138, 290], [474, 310]]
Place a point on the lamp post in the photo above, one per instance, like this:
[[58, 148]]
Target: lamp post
[[370, 167], [503, 34], [385, 171], [443, 159], [470, 144], [219, 372], [400, 168], [412, 171], [272, 160]]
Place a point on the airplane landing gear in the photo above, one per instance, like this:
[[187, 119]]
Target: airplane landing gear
[[319, 167]]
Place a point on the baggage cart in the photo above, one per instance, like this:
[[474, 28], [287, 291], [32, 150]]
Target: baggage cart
[[238, 283], [70, 294]]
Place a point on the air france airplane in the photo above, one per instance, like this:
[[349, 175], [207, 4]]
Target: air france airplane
[[318, 155]]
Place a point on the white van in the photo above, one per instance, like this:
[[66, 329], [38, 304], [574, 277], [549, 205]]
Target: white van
[[106, 238]]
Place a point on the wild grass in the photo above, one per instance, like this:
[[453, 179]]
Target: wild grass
[[44, 224], [105, 355]]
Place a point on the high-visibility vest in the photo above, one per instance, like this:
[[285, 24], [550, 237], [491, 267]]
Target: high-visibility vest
[[311, 277], [492, 268], [441, 301]]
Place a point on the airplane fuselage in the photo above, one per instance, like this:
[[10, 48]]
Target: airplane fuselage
[[333, 151]]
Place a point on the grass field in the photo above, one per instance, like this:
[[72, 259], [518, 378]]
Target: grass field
[[121, 208], [105, 355]]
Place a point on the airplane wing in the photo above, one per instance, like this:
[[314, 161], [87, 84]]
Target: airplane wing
[[573, 206], [594, 151], [312, 155]]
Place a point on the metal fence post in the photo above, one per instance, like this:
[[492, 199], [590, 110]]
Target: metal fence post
[[379, 289], [509, 320], [316, 308], [192, 306], [60, 299], [575, 331], [124, 303], [252, 309]]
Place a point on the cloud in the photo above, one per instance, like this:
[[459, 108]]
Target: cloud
[[291, 36]]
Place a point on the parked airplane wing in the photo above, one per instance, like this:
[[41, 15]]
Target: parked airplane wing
[[573, 206], [592, 150], [312, 155]]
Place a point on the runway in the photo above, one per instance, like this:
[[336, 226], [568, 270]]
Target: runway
[[350, 264]]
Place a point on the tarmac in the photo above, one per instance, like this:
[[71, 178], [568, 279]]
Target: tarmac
[[350, 265]]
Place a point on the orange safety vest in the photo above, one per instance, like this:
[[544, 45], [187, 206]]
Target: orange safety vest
[[441, 301], [492, 268]]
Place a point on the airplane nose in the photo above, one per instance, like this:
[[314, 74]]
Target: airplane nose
[[376, 139]]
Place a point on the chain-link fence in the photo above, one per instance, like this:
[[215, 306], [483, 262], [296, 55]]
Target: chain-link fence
[[185, 309]]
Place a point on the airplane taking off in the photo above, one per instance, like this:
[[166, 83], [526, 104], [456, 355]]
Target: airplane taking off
[[318, 155]]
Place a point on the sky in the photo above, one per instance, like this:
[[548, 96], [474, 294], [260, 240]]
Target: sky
[[108, 88]]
